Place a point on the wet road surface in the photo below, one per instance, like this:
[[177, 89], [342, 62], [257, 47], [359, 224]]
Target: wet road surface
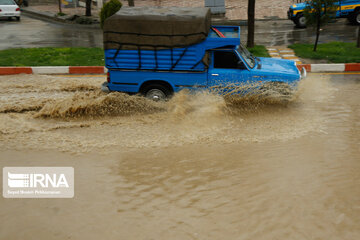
[[36, 33], [30, 32], [283, 33], [197, 167]]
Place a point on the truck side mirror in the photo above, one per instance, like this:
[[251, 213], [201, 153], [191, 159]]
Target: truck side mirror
[[241, 65]]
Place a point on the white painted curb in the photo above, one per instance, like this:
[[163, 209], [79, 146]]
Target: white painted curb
[[328, 67], [50, 70]]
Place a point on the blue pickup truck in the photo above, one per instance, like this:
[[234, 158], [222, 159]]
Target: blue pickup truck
[[159, 64], [345, 9]]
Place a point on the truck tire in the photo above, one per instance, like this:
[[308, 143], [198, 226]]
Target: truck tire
[[356, 17], [300, 21], [156, 92]]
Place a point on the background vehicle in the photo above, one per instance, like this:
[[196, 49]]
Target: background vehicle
[[155, 65], [346, 9], [9, 9]]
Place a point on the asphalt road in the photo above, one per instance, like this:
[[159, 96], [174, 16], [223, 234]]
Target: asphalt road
[[37, 33], [284, 32], [30, 32]]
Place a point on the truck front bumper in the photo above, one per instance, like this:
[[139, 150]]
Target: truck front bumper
[[290, 14], [303, 73]]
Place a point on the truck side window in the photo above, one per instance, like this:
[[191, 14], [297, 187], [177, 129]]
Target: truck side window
[[225, 59]]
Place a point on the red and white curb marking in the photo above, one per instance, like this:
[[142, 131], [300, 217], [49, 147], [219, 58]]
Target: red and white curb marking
[[53, 70], [337, 67]]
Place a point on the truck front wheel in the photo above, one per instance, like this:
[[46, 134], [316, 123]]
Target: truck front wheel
[[156, 92], [300, 21]]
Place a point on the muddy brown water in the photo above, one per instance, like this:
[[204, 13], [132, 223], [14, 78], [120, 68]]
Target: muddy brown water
[[196, 167]]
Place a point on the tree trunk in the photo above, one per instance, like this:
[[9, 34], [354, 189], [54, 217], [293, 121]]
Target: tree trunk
[[88, 8], [60, 10], [251, 24], [317, 31], [131, 3], [358, 38]]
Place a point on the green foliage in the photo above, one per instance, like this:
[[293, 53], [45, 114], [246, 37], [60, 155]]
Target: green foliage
[[259, 51], [334, 52], [52, 57], [319, 10], [109, 9]]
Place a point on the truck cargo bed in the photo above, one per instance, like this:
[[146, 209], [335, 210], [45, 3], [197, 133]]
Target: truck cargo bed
[[189, 58]]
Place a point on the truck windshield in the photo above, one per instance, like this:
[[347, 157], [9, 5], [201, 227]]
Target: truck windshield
[[247, 56]]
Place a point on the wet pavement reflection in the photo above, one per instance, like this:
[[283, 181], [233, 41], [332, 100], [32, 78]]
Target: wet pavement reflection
[[36, 33], [31, 32]]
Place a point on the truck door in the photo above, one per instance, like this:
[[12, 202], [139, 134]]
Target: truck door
[[226, 69]]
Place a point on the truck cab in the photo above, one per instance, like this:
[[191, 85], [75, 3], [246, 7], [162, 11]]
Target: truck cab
[[345, 9], [238, 66]]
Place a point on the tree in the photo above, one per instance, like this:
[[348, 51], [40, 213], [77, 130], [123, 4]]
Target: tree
[[88, 8], [131, 3], [109, 9], [318, 13], [60, 10], [358, 38], [251, 24]]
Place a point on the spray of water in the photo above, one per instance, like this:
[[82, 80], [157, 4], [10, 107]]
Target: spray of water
[[230, 99], [77, 116], [98, 104]]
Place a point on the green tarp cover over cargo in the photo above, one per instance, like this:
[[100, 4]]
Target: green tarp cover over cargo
[[159, 27]]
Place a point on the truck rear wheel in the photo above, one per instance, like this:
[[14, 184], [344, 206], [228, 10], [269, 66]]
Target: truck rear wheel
[[300, 21], [156, 92]]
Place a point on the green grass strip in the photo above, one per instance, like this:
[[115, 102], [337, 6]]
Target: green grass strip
[[334, 52], [259, 51], [52, 57]]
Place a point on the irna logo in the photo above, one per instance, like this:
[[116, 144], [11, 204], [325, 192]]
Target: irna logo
[[38, 182], [34, 180]]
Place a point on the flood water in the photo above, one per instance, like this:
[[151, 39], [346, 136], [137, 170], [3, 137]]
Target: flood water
[[196, 167]]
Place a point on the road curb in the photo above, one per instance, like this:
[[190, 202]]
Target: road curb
[[53, 70], [338, 67], [42, 15], [48, 16], [15, 70], [87, 70], [335, 67]]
